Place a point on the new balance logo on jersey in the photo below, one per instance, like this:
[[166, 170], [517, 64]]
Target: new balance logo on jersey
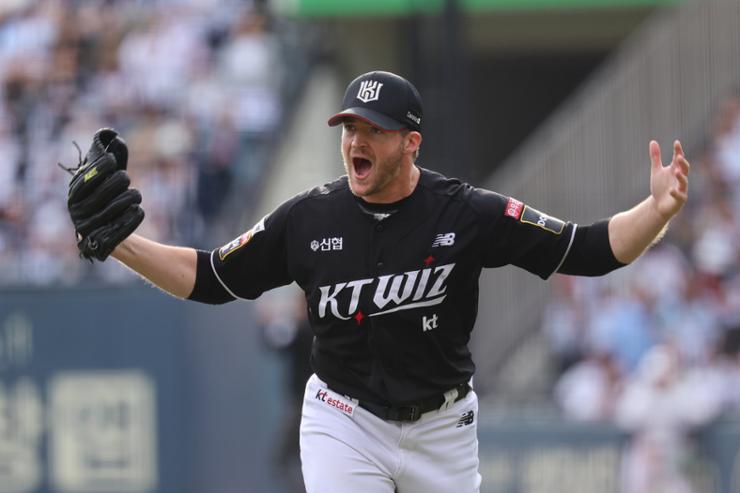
[[447, 239], [391, 293], [466, 419], [369, 91]]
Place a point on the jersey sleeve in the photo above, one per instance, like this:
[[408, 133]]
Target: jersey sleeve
[[518, 234], [256, 261]]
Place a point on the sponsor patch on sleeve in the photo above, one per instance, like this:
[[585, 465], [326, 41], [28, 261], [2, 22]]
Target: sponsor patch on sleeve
[[537, 218], [514, 208], [240, 241]]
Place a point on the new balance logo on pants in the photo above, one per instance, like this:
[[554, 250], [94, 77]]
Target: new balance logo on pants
[[466, 419]]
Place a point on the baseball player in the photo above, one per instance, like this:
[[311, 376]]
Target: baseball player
[[388, 257]]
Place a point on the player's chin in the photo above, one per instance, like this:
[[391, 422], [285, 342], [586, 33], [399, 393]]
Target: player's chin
[[361, 187], [360, 181]]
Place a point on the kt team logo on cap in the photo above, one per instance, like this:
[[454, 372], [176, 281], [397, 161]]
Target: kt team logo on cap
[[369, 91], [399, 108]]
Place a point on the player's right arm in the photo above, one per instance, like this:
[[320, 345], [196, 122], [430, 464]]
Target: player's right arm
[[244, 268], [171, 268]]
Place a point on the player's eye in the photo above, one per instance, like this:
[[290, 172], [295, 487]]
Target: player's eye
[[377, 131]]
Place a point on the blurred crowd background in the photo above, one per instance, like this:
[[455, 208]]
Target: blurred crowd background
[[195, 87], [682, 298], [200, 90], [655, 348]]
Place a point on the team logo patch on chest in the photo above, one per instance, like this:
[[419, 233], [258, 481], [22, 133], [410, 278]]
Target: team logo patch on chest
[[387, 294]]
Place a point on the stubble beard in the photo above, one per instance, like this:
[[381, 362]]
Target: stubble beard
[[385, 171]]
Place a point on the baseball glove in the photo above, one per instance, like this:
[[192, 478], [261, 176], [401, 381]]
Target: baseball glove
[[104, 210]]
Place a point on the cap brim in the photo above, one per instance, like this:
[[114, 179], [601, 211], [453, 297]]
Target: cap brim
[[368, 116]]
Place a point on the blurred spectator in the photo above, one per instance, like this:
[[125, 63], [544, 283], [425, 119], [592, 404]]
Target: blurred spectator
[[254, 98], [588, 391], [727, 140], [621, 326], [723, 370], [286, 330], [661, 405], [691, 322], [715, 248], [195, 89], [564, 324], [216, 161]]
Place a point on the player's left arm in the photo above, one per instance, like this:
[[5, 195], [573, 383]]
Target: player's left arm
[[632, 232]]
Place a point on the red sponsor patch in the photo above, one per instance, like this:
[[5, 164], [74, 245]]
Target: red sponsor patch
[[514, 208]]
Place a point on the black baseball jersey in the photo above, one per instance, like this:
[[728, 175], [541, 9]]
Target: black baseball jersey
[[392, 290]]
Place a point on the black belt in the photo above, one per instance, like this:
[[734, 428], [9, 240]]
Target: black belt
[[412, 412]]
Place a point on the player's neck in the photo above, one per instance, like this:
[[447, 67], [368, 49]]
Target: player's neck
[[402, 186]]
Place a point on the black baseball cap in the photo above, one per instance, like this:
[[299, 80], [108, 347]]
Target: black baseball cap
[[382, 99]]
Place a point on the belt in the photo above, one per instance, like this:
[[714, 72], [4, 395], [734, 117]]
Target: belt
[[412, 412]]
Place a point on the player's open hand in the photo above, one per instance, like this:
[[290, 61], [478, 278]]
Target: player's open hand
[[669, 185]]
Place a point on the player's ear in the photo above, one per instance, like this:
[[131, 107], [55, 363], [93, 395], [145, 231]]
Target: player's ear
[[413, 142]]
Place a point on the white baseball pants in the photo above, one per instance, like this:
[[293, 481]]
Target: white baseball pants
[[346, 448]]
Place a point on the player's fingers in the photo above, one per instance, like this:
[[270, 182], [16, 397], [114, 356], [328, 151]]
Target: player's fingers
[[683, 181], [677, 149], [675, 152], [655, 155], [683, 165], [679, 195]]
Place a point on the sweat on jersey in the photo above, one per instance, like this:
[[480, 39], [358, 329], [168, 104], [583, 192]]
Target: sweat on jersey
[[392, 293]]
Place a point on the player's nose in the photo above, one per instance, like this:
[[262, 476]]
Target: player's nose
[[358, 141]]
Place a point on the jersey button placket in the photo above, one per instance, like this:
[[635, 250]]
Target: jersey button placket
[[377, 255], [378, 252]]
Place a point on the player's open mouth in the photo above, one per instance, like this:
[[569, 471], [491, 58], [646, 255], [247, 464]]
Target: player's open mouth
[[361, 167]]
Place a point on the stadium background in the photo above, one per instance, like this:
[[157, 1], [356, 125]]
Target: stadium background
[[586, 385]]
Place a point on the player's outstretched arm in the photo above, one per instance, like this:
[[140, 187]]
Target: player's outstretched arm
[[105, 211], [633, 231], [170, 268]]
